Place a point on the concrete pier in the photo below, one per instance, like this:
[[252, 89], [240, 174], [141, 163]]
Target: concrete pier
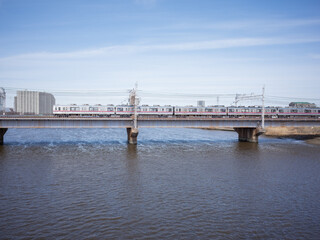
[[2, 132], [249, 134], [132, 135]]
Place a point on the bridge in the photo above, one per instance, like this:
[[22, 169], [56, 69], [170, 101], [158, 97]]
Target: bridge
[[248, 129]]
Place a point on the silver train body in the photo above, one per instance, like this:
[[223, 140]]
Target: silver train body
[[182, 111]]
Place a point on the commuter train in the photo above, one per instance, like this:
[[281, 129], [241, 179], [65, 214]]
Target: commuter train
[[182, 111]]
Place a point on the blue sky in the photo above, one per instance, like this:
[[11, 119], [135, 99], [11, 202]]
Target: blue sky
[[167, 46]]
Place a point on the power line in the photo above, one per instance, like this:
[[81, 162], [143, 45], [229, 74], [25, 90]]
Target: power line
[[148, 94]]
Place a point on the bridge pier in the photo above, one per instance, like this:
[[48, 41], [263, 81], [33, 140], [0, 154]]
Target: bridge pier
[[132, 135], [249, 134], [2, 132]]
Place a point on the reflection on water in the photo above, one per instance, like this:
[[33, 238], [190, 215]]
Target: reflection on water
[[176, 183]]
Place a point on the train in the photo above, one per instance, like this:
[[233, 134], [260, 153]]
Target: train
[[217, 111]]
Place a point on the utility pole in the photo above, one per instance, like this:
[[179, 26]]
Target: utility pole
[[135, 125], [253, 97], [236, 99], [134, 100], [263, 110], [133, 131]]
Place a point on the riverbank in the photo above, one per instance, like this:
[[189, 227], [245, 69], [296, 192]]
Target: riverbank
[[293, 132], [315, 141]]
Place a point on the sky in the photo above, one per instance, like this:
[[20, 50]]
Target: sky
[[178, 51]]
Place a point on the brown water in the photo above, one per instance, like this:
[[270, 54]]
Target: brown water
[[175, 184]]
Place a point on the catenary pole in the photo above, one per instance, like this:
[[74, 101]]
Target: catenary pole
[[263, 110]]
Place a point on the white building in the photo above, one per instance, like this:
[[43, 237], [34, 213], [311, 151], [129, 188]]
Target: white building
[[2, 100], [201, 103], [31, 102]]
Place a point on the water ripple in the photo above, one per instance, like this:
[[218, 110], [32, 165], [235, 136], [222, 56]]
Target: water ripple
[[175, 184]]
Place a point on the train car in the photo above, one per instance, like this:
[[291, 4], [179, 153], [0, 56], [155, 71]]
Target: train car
[[291, 112], [155, 110], [271, 112], [253, 111], [98, 110], [145, 110], [124, 110], [242, 111], [83, 110], [200, 111]]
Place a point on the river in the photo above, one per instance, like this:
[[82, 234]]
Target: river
[[175, 184]]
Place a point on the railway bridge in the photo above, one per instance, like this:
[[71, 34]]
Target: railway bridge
[[248, 129]]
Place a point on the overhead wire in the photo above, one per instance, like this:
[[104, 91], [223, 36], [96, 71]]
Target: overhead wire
[[149, 94]]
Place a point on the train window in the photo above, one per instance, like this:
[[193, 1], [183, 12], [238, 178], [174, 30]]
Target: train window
[[145, 109], [153, 109], [318, 111], [109, 109], [294, 111], [120, 109], [307, 111], [193, 110], [281, 111], [169, 110], [231, 110], [209, 110], [222, 110]]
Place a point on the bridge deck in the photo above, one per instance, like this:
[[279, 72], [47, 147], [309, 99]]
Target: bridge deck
[[149, 122]]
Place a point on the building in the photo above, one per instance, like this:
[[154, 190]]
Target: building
[[2, 100], [302, 105], [31, 102], [201, 103]]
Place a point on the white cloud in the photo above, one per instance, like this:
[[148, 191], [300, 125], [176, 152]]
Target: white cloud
[[251, 24], [184, 46]]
